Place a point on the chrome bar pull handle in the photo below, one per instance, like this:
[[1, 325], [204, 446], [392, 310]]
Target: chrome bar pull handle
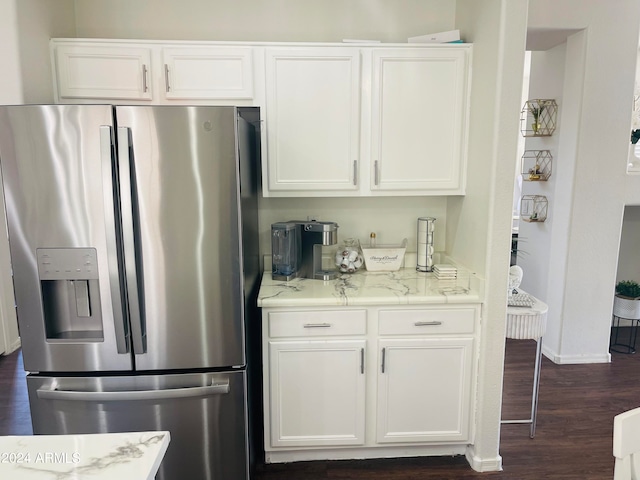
[[384, 354], [216, 388], [426, 324], [376, 177], [129, 217], [355, 172], [116, 284], [317, 325], [145, 85], [362, 360], [166, 78]]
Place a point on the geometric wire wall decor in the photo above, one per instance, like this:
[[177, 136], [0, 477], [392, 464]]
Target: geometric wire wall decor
[[533, 208], [538, 117], [536, 165]]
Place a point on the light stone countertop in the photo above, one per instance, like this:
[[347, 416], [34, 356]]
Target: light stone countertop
[[130, 456], [404, 287]]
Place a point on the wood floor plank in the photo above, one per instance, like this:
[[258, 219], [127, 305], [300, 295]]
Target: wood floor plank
[[15, 417]]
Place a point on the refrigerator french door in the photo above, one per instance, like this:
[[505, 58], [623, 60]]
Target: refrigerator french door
[[125, 231]]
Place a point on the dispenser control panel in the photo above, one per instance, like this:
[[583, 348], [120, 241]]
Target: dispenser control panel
[[67, 263]]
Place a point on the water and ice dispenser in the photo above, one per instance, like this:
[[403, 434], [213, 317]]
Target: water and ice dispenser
[[70, 294]]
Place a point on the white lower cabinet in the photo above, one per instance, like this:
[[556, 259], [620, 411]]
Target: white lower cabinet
[[368, 382], [317, 393], [424, 390]]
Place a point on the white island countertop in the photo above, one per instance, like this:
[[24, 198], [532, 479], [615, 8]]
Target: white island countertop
[[130, 456], [403, 287]]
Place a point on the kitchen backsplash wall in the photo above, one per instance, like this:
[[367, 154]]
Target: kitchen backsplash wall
[[391, 218]]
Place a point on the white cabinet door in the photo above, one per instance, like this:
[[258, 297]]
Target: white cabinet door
[[103, 72], [313, 119], [424, 390], [316, 393], [208, 72], [419, 118]]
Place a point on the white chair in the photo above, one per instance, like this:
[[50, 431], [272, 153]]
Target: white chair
[[626, 445]]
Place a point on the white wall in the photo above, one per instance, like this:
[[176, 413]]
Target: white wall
[[392, 218], [601, 187], [546, 80], [10, 93], [556, 73], [479, 225], [535, 239], [38, 21], [629, 259], [263, 20]]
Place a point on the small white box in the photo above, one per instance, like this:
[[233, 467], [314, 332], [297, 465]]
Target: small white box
[[440, 37], [384, 258]]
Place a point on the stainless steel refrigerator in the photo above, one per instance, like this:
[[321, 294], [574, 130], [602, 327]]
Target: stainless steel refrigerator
[[133, 238]]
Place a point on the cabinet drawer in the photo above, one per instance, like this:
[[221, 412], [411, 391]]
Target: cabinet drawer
[[315, 324], [426, 322]]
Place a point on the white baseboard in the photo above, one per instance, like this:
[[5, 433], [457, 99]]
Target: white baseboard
[[483, 464], [14, 346], [576, 359]]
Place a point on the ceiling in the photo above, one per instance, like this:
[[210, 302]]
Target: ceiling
[[546, 38]]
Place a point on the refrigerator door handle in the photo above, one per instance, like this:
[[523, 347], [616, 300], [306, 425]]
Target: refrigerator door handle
[[127, 186], [52, 393], [108, 164]]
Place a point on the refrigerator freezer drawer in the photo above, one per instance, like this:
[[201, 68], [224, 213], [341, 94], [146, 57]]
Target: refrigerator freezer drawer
[[205, 413]]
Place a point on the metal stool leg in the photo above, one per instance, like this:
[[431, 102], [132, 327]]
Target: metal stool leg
[[536, 387], [534, 395]]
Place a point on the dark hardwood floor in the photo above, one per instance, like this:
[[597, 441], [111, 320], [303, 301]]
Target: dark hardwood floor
[[573, 437], [15, 418]]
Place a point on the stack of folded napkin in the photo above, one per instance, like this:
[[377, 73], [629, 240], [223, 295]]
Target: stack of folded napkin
[[444, 271]]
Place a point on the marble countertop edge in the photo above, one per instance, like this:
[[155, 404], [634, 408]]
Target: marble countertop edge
[[132, 455], [301, 302], [402, 287]]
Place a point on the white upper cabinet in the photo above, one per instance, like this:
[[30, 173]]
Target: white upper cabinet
[[418, 120], [367, 121], [313, 119], [103, 71], [208, 72], [177, 73], [338, 120]]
